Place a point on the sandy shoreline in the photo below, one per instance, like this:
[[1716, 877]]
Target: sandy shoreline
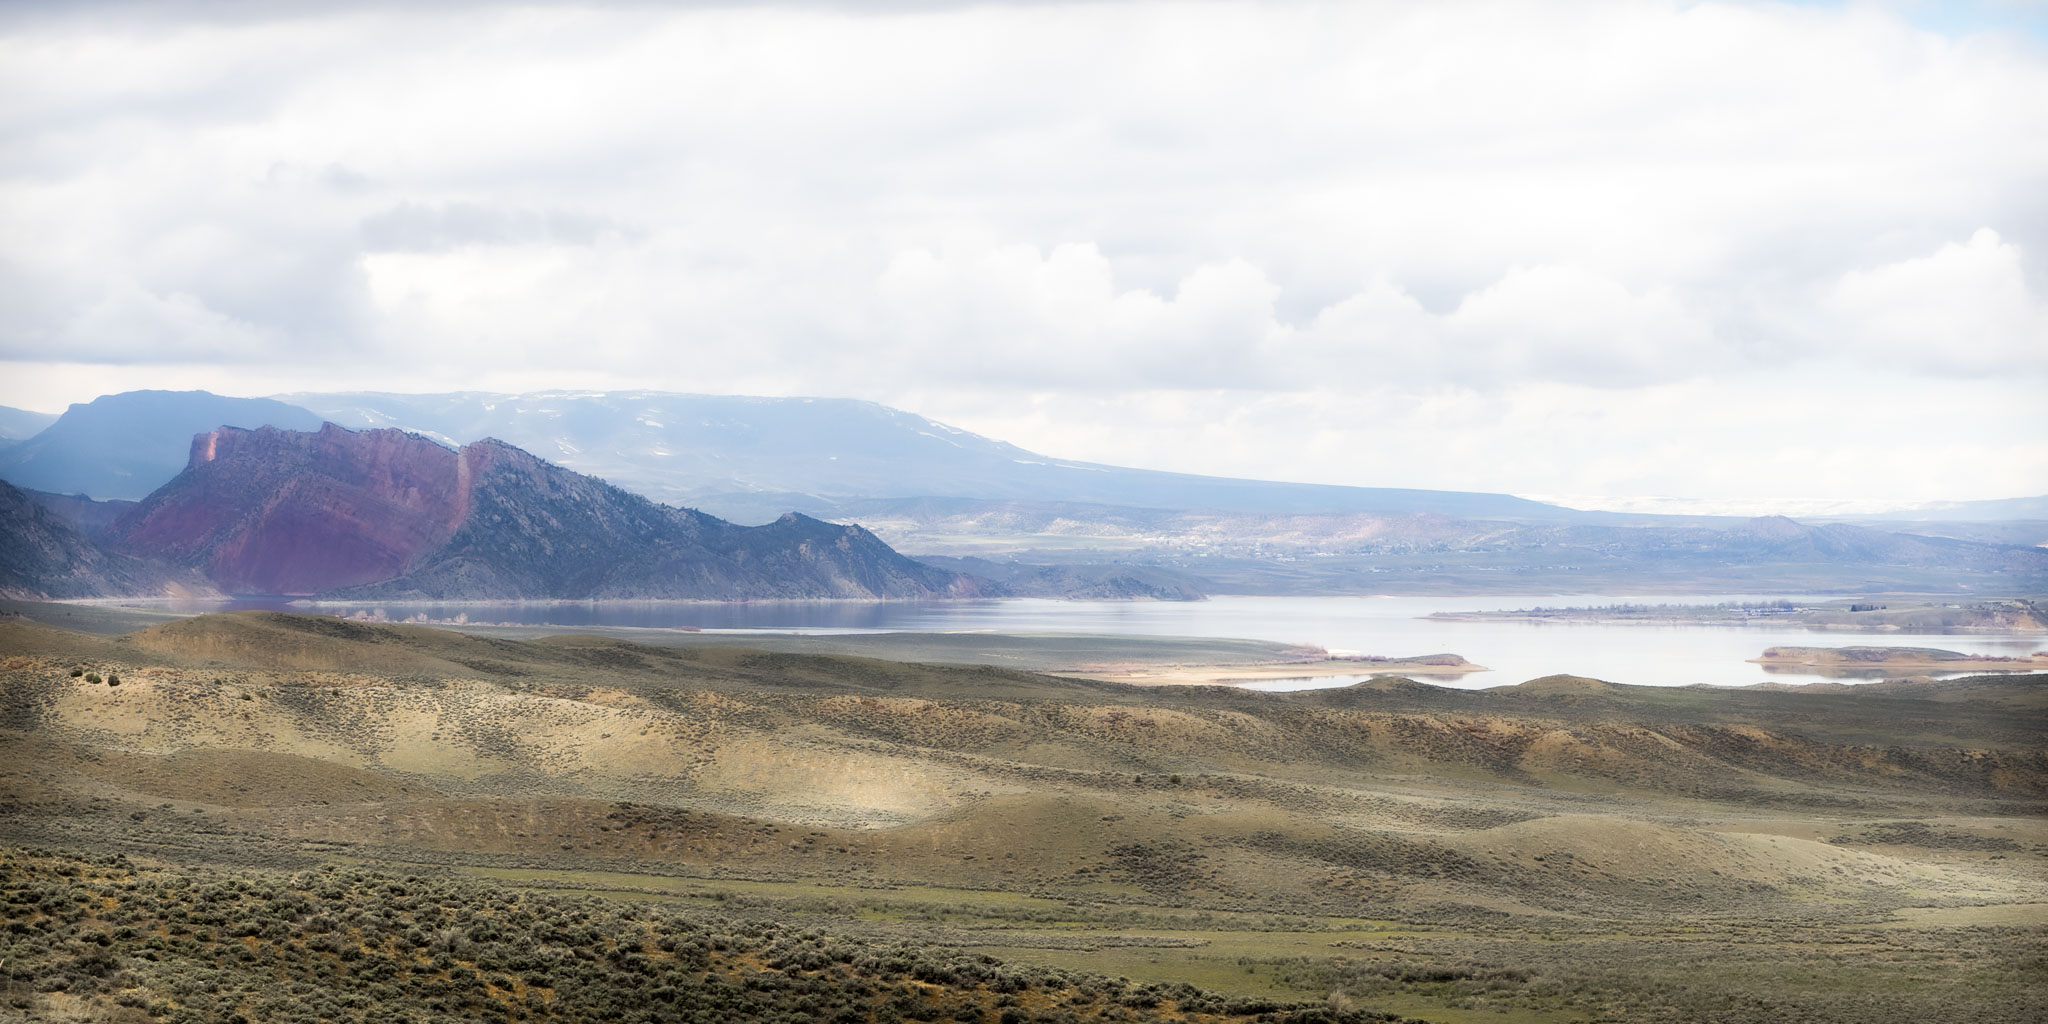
[[1230, 675]]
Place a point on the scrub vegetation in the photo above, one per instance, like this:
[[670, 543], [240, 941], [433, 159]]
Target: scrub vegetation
[[296, 818]]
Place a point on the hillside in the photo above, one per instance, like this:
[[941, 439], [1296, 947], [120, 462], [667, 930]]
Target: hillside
[[42, 555], [381, 513], [1827, 853], [18, 425], [85, 514]]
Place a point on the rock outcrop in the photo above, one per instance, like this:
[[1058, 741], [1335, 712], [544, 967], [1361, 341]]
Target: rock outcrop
[[388, 515]]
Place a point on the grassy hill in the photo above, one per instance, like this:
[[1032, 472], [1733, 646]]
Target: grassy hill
[[1393, 847]]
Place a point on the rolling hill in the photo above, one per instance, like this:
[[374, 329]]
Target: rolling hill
[[942, 836]]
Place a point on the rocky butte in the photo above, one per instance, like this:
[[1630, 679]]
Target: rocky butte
[[388, 515]]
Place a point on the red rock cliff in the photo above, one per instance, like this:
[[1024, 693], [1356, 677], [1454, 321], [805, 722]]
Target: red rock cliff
[[285, 512]]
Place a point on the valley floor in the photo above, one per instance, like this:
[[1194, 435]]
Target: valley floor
[[1564, 850]]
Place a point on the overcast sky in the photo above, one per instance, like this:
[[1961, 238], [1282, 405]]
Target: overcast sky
[[1718, 250]]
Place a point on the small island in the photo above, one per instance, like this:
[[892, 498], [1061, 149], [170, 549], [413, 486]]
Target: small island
[[1911, 659]]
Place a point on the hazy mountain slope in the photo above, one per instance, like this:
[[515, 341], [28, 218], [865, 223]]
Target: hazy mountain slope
[[127, 445], [44, 556], [383, 513], [22, 424], [87, 515], [2000, 521], [1240, 553], [755, 457], [1994, 510]]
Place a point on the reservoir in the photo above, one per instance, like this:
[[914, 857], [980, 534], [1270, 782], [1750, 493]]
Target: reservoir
[[1654, 654]]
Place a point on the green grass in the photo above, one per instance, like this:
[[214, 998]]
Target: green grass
[[1453, 974]]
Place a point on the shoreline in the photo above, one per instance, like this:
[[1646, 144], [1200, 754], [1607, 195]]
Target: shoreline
[[1966, 664], [1232, 675]]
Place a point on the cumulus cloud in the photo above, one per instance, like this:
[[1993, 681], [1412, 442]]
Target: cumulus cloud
[[415, 227], [1965, 310], [1437, 205], [1060, 319]]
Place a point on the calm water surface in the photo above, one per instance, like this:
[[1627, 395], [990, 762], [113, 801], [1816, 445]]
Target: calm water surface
[[1658, 655]]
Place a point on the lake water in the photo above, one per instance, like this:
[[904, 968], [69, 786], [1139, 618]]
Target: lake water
[[1647, 654]]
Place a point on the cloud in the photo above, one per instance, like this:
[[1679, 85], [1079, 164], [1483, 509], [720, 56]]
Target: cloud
[[414, 227], [129, 322], [1059, 319], [1965, 311], [1753, 435], [1094, 202]]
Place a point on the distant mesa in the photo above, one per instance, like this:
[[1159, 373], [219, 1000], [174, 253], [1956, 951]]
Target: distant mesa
[[129, 444]]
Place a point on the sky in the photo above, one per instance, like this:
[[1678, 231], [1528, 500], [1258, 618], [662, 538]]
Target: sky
[[1729, 251]]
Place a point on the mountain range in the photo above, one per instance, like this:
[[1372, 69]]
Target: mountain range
[[747, 459], [1022, 523]]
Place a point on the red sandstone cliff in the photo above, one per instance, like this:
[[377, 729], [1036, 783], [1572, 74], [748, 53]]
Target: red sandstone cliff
[[386, 514]]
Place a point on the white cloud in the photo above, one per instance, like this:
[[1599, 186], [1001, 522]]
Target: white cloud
[[1751, 436], [1966, 310], [1570, 324], [124, 324], [1060, 319], [1443, 210]]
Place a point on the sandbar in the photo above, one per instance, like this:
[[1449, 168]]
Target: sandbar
[[1230, 675]]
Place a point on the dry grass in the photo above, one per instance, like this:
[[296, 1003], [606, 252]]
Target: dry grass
[[1562, 822]]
